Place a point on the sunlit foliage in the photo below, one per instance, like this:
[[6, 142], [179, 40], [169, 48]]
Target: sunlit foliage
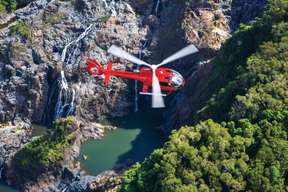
[[45, 151], [245, 146]]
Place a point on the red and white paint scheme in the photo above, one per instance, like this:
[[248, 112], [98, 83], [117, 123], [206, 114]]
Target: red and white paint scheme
[[151, 76]]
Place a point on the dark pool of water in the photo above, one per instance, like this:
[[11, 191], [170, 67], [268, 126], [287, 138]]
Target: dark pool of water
[[137, 136], [5, 188]]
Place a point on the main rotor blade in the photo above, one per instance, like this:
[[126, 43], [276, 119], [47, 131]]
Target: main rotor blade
[[125, 55], [157, 99], [190, 49]]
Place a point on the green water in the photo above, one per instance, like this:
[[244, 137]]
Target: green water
[[136, 137], [5, 188], [38, 130]]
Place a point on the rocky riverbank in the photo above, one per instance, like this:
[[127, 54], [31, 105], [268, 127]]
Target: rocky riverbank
[[13, 137]]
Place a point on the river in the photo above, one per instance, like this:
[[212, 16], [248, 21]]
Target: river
[[5, 188], [134, 139]]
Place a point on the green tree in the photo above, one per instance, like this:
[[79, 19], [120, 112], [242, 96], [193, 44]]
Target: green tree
[[245, 146], [44, 152]]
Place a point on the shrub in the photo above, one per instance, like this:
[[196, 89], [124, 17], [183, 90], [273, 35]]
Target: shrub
[[22, 29], [244, 147], [45, 151], [8, 5]]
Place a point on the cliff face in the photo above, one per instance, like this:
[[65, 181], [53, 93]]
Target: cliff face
[[31, 78], [244, 11], [41, 70], [207, 25], [43, 48], [42, 75]]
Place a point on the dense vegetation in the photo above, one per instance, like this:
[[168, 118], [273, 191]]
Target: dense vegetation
[[245, 146], [7, 5], [45, 151], [22, 29], [11, 5]]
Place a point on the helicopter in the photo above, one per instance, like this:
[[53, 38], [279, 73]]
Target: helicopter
[[154, 76]]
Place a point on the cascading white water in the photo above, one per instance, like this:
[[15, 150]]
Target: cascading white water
[[140, 55], [65, 189], [130, 8], [76, 41], [66, 97], [110, 7], [65, 101], [157, 7], [1, 170], [105, 3]]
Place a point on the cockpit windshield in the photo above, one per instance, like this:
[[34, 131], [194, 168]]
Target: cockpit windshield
[[176, 80]]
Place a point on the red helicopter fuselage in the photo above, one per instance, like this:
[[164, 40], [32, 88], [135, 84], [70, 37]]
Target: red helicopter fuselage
[[169, 79]]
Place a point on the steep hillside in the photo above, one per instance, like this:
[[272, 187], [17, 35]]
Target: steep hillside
[[237, 81], [207, 25], [239, 139]]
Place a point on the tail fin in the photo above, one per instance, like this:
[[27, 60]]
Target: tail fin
[[108, 73], [93, 67]]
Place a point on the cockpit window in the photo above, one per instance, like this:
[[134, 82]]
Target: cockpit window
[[176, 80]]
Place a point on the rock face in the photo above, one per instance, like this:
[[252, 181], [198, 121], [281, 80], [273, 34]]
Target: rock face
[[244, 11], [42, 75], [207, 24], [107, 181], [12, 138], [31, 79]]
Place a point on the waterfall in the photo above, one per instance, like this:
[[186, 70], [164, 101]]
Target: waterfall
[[66, 97], [140, 55], [105, 2], [1, 170], [130, 8], [136, 107], [71, 106], [158, 3], [65, 100], [65, 189], [111, 7], [76, 41]]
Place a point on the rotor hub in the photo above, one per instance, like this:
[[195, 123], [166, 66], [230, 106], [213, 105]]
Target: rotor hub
[[153, 67]]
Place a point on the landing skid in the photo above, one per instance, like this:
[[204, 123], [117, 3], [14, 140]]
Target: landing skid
[[144, 93]]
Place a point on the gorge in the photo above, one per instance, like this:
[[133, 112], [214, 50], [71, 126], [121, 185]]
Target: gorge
[[42, 79]]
